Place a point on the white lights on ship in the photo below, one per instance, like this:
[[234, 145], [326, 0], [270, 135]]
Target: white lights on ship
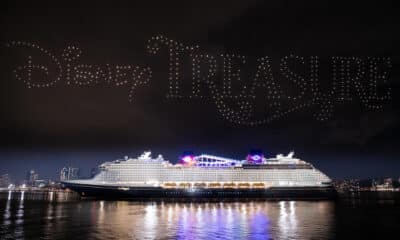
[[208, 172]]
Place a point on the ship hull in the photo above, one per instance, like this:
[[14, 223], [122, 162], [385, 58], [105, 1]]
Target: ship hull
[[116, 192]]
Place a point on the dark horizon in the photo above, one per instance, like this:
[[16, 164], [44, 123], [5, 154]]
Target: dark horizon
[[49, 163], [79, 122]]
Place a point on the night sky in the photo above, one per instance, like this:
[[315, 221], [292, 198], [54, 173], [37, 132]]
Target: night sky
[[83, 124]]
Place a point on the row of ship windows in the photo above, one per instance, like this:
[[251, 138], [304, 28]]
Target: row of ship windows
[[158, 166], [215, 164], [215, 176], [175, 172], [195, 174], [171, 178], [207, 193], [203, 171], [216, 180]]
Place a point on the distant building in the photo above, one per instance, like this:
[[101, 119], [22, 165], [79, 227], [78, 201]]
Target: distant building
[[40, 183], [388, 181], [387, 185], [69, 173], [348, 185], [5, 180], [31, 177]]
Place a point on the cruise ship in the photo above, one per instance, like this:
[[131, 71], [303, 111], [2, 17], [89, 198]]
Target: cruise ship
[[206, 176]]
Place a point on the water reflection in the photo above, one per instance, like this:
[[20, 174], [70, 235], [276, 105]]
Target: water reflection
[[165, 220], [51, 196], [254, 220], [287, 219], [7, 212], [19, 229]]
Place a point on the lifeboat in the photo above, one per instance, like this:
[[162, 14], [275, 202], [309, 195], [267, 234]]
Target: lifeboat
[[258, 185], [244, 185], [229, 185], [170, 185], [200, 185], [184, 185], [214, 185]]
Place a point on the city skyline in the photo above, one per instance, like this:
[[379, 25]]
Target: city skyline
[[50, 168]]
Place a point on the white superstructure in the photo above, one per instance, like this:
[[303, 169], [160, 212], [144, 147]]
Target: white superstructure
[[207, 171]]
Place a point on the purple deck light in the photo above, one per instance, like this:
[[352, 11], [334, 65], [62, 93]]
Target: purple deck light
[[255, 157], [187, 159]]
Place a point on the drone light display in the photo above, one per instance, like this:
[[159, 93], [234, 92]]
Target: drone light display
[[218, 78]]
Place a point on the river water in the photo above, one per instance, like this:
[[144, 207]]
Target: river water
[[60, 215]]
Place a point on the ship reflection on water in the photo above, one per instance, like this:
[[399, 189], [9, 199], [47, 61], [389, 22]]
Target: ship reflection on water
[[90, 219], [231, 220]]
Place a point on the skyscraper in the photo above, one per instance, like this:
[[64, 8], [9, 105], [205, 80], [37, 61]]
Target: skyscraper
[[5, 180], [69, 173], [31, 177]]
